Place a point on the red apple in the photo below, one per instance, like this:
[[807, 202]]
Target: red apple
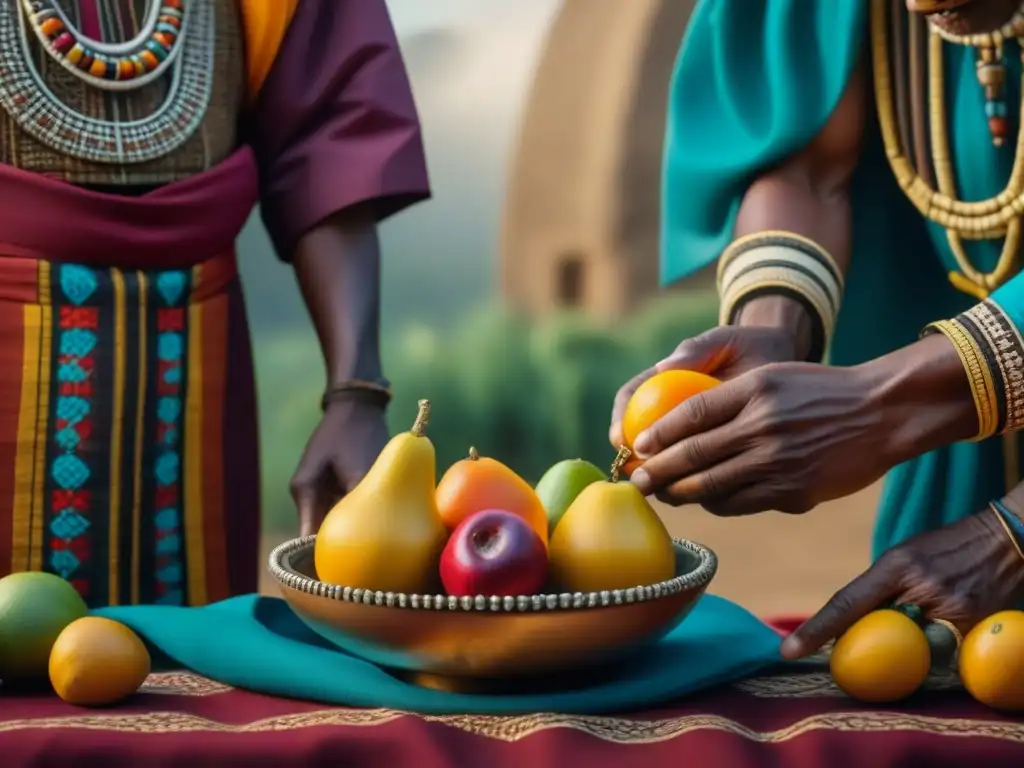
[[494, 552]]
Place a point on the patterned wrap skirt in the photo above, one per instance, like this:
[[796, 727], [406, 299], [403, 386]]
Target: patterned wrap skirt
[[128, 435]]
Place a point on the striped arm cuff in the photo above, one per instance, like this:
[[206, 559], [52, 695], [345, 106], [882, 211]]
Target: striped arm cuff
[[782, 263], [1003, 348], [992, 351], [978, 370]]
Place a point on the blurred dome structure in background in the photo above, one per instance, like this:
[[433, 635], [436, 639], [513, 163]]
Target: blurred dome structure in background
[[580, 224]]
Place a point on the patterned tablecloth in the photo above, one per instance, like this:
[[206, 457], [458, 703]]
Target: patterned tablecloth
[[797, 721]]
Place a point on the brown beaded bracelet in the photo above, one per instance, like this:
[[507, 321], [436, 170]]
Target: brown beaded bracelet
[[376, 392]]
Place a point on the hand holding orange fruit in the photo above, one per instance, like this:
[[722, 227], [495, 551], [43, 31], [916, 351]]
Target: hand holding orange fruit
[[655, 398], [722, 353], [777, 433]]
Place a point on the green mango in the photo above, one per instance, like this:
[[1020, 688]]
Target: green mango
[[562, 483]]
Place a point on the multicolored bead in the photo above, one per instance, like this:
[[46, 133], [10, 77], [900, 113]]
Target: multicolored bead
[[67, 43], [991, 72]]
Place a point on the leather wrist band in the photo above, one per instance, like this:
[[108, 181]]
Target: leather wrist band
[[376, 392]]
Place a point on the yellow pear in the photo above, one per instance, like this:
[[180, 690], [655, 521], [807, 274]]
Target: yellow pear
[[610, 538], [387, 534]]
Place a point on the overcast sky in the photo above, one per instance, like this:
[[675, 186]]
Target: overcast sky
[[411, 16]]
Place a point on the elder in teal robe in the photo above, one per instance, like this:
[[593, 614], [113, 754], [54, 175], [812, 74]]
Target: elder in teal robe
[[755, 82]]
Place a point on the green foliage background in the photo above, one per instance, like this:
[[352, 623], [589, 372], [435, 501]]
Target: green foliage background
[[527, 394]]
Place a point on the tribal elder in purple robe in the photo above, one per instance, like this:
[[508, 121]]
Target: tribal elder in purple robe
[[136, 137]]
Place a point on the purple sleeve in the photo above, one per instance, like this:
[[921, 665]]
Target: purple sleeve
[[336, 124]]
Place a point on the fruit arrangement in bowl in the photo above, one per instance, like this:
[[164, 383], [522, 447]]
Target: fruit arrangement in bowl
[[482, 575]]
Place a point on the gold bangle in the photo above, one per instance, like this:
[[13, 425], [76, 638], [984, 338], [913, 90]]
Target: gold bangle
[[982, 385], [1009, 532]]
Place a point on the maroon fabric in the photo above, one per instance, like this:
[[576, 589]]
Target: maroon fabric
[[335, 123], [173, 227], [180, 719], [240, 428]]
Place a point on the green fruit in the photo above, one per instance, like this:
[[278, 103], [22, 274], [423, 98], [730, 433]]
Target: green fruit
[[562, 483], [942, 643], [911, 611], [35, 607]]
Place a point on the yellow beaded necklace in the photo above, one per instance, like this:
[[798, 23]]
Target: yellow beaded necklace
[[989, 219]]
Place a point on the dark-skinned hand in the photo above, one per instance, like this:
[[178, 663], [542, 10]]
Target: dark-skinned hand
[[961, 574], [340, 451], [784, 436], [724, 352]]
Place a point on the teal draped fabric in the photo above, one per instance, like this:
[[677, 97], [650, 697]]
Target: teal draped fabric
[[753, 83], [258, 644]]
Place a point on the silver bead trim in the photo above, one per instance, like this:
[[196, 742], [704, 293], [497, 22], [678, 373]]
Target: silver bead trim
[[280, 564]]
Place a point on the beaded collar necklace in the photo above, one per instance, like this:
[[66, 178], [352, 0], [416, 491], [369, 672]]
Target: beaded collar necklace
[[25, 96], [110, 66]]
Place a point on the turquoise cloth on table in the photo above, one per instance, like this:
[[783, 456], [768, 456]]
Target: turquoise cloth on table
[[754, 82], [257, 643]]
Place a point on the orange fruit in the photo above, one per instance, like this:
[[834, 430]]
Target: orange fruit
[[991, 661], [97, 661], [659, 395], [478, 483], [882, 658]]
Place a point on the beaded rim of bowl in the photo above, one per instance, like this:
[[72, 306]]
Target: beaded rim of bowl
[[281, 569]]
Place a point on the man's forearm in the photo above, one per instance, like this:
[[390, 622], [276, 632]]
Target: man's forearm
[[808, 196], [337, 265], [924, 396], [785, 201]]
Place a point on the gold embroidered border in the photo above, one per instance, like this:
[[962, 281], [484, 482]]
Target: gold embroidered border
[[801, 685], [1007, 349], [182, 684], [512, 729], [977, 369], [821, 685]]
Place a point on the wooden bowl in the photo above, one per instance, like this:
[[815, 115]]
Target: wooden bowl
[[447, 639]]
